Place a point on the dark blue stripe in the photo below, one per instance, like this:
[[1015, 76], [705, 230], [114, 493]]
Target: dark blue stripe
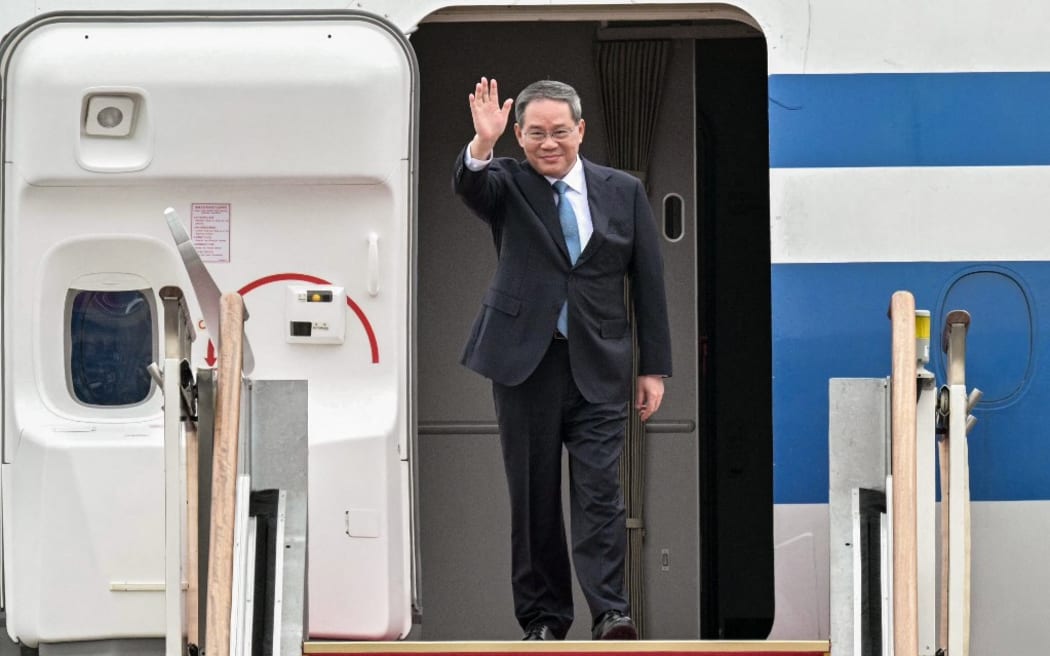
[[829, 320], [914, 119]]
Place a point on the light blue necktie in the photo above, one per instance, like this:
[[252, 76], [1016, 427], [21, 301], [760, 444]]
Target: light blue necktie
[[572, 239]]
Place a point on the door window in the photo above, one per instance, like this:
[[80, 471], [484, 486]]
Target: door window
[[110, 345]]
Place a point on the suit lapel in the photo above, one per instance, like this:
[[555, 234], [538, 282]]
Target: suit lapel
[[599, 194], [540, 197]]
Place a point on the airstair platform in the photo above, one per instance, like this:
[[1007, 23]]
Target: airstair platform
[[569, 647]]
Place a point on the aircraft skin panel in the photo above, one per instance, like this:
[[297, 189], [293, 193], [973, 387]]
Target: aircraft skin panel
[[888, 214], [928, 180], [829, 322]]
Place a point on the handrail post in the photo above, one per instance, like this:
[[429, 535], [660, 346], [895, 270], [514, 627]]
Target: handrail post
[[956, 503], [179, 410], [926, 488]]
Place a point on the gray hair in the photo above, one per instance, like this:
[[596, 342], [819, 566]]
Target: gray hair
[[548, 90]]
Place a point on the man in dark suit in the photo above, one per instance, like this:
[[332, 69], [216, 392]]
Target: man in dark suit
[[553, 336]]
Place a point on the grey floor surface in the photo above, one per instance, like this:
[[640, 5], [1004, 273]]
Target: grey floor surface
[[7, 648]]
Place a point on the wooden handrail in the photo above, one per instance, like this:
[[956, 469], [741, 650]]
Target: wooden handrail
[[903, 393], [224, 475]]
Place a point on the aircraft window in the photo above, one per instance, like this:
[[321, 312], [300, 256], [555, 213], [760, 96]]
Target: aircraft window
[[110, 346]]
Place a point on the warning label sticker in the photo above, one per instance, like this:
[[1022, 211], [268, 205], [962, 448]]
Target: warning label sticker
[[210, 231]]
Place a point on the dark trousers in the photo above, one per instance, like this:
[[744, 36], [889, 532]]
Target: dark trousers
[[536, 418]]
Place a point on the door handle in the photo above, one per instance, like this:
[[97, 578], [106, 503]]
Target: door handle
[[373, 264]]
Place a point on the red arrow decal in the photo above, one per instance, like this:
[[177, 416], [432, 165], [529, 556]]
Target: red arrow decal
[[210, 358]]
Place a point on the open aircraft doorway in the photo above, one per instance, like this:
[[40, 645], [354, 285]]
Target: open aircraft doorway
[[705, 566]]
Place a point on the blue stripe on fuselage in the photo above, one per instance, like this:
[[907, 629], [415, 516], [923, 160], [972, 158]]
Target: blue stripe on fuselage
[[909, 119], [829, 321]]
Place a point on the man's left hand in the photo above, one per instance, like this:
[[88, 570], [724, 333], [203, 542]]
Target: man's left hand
[[649, 392]]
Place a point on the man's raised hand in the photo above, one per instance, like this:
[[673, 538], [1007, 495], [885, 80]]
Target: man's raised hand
[[490, 118]]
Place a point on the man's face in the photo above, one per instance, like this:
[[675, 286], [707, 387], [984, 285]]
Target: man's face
[[549, 137]]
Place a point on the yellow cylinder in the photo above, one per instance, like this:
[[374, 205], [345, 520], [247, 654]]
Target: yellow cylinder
[[922, 336]]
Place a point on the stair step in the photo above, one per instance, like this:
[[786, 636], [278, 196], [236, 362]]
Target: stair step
[[569, 647]]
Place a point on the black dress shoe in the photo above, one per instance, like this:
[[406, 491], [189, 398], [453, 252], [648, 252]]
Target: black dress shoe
[[614, 625], [539, 632]]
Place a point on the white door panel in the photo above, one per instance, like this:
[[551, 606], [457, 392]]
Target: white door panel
[[286, 145]]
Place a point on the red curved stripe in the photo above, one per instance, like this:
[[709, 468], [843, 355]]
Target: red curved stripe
[[302, 277], [368, 328]]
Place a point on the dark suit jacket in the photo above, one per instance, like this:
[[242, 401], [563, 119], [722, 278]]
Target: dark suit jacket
[[534, 276]]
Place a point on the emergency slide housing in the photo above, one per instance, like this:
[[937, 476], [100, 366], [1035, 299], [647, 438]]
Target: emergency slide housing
[[286, 145]]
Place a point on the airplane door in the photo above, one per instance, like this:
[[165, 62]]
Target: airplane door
[[287, 145]]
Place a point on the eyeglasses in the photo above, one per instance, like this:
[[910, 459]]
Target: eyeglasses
[[539, 136]]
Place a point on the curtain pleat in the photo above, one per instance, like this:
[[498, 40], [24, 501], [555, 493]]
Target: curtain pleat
[[631, 75]]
